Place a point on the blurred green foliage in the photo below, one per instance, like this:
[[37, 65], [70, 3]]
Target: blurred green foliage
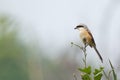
[[20, 62], [12, 53]]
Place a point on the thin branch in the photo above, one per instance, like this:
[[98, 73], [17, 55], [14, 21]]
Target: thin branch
[[75, 77], [84, 51]]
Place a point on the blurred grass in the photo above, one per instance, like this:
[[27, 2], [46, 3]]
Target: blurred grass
[[19, 61], [12, 53], [113, 71]]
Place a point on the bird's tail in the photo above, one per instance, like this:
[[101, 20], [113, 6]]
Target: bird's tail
[[98, 54]]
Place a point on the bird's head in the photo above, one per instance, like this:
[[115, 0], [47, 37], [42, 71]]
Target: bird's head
[[81, 27]]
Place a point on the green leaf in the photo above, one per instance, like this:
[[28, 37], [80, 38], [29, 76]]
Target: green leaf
[[86, 77], [97, 71], [98, 77], [86, 70]]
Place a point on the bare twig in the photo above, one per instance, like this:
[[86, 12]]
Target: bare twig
[[75, 77], [84, 51]]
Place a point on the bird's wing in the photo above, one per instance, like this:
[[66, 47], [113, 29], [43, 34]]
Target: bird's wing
[[93, 41]]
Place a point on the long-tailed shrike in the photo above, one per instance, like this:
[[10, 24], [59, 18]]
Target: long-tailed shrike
[[87, 38]]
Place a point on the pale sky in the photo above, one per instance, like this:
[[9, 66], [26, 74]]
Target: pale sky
[[52, 22]]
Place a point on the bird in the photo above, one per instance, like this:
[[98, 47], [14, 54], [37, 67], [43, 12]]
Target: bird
[[87, 38]]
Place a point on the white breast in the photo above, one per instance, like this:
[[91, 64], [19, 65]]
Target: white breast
[[84, 34]]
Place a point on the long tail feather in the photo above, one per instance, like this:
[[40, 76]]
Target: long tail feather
[[98, 54]]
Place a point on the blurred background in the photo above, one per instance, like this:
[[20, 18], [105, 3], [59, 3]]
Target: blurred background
[[35, 37]]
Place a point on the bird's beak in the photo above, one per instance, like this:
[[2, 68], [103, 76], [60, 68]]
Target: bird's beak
[[75, 28]]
